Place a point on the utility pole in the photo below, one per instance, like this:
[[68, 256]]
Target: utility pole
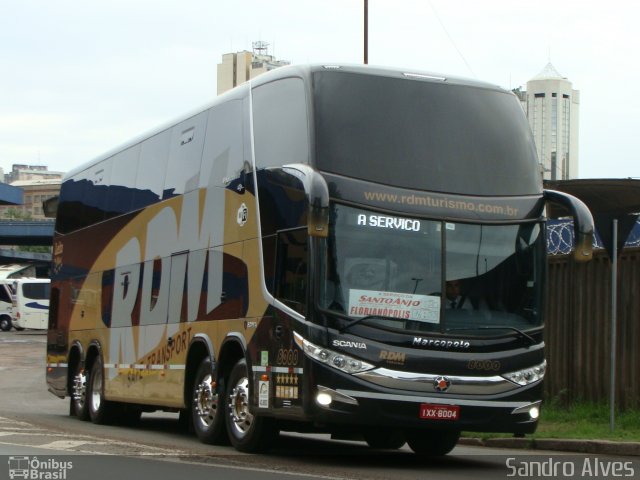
[[366, 31], [614, 319]]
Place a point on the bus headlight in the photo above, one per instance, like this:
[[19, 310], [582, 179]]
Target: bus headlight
[[527, 375], [336, 360]]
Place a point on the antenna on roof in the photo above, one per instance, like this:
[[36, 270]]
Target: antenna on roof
[[260, 48]]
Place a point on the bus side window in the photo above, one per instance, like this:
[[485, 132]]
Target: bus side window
[[291, 269], [269, 251], [280, 123], [5, 295]]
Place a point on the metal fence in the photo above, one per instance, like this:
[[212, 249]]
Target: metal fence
[[578, 327]]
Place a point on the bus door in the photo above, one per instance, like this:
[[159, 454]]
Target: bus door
[[291, 285]]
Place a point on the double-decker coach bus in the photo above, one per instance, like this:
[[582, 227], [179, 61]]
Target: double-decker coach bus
[[342, 249]]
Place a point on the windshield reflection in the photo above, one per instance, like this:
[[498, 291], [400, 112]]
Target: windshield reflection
[[390, 269]]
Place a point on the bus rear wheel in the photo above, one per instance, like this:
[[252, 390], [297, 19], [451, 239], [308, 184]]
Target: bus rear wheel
[[247, 431], [5, 323], [79, 406], [432, 443], [208, 406], [100, 410]]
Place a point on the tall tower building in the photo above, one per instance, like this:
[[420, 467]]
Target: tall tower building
[[552, 107], [237, 68]]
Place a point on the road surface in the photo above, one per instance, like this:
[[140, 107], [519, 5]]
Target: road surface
[[36, 424]]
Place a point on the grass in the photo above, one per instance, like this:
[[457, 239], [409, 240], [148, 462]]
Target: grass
[[585, 421]]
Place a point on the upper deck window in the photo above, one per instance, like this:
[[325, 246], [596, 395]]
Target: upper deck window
[[280, 123], [423, 135]]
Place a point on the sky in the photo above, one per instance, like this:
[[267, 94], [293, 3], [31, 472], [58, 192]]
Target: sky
[[80, 77]]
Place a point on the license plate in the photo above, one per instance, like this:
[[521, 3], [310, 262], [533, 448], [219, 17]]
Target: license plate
[[439, 412]]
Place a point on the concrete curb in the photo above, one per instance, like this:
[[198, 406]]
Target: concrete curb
[[600, 447]]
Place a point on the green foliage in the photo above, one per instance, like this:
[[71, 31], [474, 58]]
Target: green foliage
[[14, 214], [582, 421], [587, 421]]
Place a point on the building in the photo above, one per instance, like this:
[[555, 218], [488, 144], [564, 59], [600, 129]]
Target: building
[[552, 107], [20, 172], [34, 193], [237, 68]]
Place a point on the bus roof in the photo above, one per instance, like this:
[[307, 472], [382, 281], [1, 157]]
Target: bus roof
[[302, 71], [305, 71]]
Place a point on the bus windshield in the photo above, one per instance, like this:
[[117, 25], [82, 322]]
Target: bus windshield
[[423, 135], [432, 276]]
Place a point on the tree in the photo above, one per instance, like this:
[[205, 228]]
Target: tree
[[15, 214]]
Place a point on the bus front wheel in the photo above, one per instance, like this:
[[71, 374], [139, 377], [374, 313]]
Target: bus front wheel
[[5, 323], [207, 406], [247, 431], [385, 438], [433, 443]]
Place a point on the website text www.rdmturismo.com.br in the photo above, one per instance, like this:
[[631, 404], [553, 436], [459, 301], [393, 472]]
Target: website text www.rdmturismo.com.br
[[445, 203]]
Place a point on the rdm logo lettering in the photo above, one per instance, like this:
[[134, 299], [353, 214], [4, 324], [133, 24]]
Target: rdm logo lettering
[[196, 227]]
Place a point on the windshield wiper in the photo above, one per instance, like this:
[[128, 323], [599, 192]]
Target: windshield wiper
[[520, 333], [361, 319]]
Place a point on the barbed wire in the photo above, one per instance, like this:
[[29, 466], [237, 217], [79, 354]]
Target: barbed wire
[[560, 239]]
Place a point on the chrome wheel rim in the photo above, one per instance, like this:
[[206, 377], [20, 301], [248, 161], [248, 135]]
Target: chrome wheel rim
[[96, 390], [241, 417], [205, 401], [80, 389]]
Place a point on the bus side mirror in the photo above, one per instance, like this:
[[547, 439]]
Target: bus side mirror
[[583, 224], [318, 196], [317, 192]]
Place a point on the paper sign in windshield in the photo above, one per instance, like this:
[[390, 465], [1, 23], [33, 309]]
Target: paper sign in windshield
[[407, 306]]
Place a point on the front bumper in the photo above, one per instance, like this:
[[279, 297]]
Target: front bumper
[[357, 401]]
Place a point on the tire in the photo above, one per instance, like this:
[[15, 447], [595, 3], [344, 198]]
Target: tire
[[432, 443], [385, 438], [100, 410], [208, 406], [78, 403], [5, 324], [247, 431]]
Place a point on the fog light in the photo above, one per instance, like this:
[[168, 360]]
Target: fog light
[[534, 413], [324, 399]]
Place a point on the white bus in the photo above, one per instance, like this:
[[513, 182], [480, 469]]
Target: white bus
[[30, 303], [5, 304]]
